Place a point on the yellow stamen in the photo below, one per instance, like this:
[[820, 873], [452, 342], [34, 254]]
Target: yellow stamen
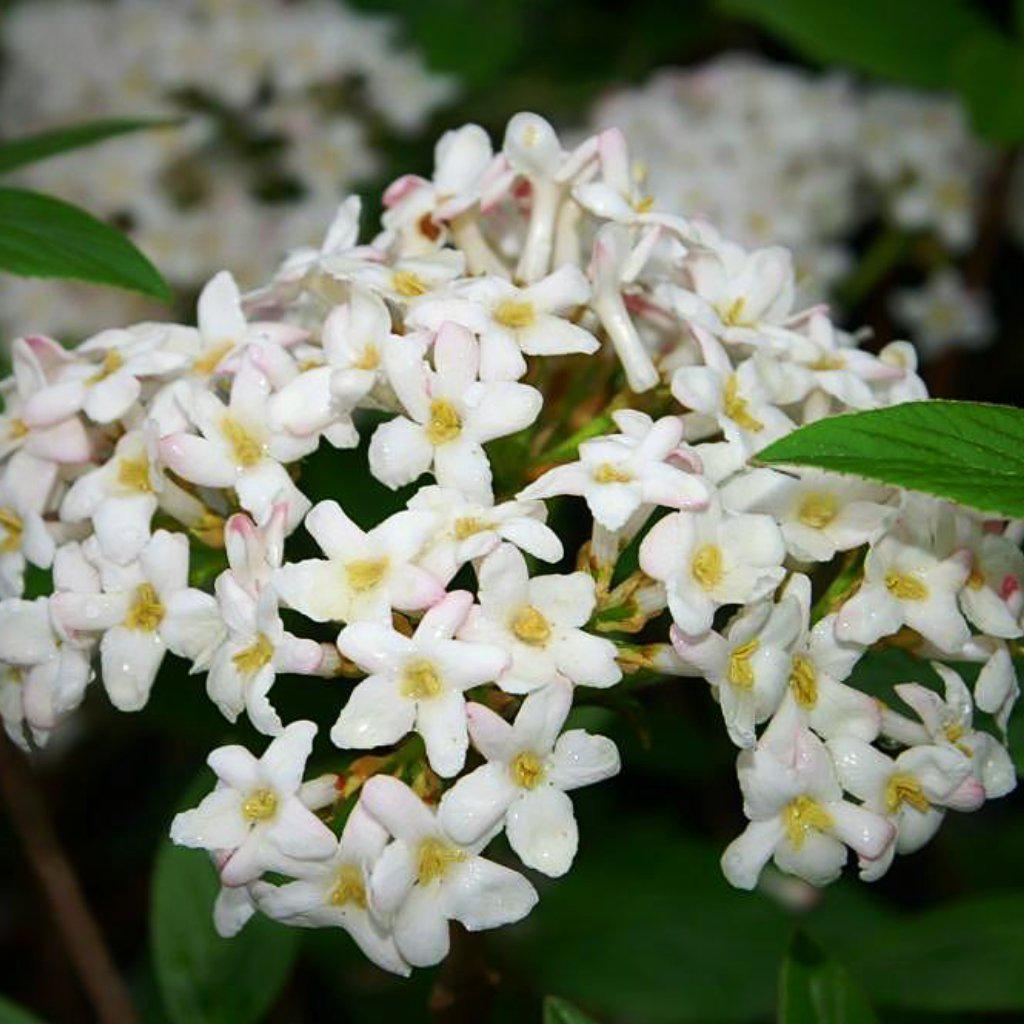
[[421, 680], [468, 526], [369, 359], [803, 681], [260, 805], [147, 611], [607, 473], [817, 509], [905, 586], [737, 408], [133, 474], [16, 429], [444, 424], [408, 284], [904, 789], [434, 860], [515, 314], [209, 528], [255, 656], [205, 364], [732, 315], [644, 205], [802, 815], [741, 672], [531, 627], [13, 528], [112, 362], [349, 888], [976, 580], [527, 770], [245, 448], [706, 566], [366, 573], [827, 362]]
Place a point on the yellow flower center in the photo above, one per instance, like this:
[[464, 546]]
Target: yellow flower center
[[408, 284], [369, 359], [16, 429], [147, 611], [255, 656], [245, 448], [904, 789], [13, 527], [209, 528], [133, 474], [260, 805], [468, 526], [706, 567], [644, 205], [737, 408], [741, 673], [905, 586], [112, 362], [803, 681], [205, 364], [732, 315], [827, 362], [802, 815], [366, 573], [444, 424], [607, 473], [530, 626], [817, 509], [976, 580], [349, 888], [515, 314], [421, 680], [527, 770], [434, 858]]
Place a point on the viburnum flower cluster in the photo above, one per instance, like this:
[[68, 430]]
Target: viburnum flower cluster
[[527, 332], [290, 105]]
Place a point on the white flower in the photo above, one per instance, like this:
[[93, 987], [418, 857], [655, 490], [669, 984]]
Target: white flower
[[538, 621], [748, 665], [943, 314], [335, 892], [406, 280], [996, 689], [239, 448], [466, 530], [130, 606], [819, 513], [904, 584], [992, 598], [256, 815], [513, 322], [949, 723], [416, 683], [712, 558], [365, 574], [26, 486], [618, 473], [911, 790], [424, 878], [452, 414], [529, 767], [798, 815]]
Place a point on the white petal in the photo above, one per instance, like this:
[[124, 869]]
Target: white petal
[[475, 805]]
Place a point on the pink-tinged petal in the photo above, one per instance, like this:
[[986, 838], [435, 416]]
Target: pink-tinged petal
[[456, 359], [441, 721], [375, 715], [413, 589], [491, 734], [475, 805], [67, 442], [284, 761], [216, 824], [267, 485], [542, 830], [219, 313], [395, 806], [197, 460], [445, 617], [298, 655], [465, 665], [745, 857], [54, 403], [481, 894]]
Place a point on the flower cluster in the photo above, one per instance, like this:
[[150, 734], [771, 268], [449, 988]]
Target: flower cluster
[[774, 155], [283, 112], [527, 330]]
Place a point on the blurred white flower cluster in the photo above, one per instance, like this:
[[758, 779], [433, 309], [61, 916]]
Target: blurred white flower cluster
[[775, 155], [285, 114], [527, 328]]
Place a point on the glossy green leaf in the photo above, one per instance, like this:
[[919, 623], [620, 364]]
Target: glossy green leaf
[[558, 1011], [11, 1013], [911, 41], [29, 149], [966, 452], [204, 979], [814, 989], [989, 73], [45, 237]]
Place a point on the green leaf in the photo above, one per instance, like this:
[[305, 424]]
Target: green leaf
[[31, 148], [967, 452], [558, 1011], [11, 1013], [44, 237], [911, 41], [204, 979], [816, 990], [989, 73]]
